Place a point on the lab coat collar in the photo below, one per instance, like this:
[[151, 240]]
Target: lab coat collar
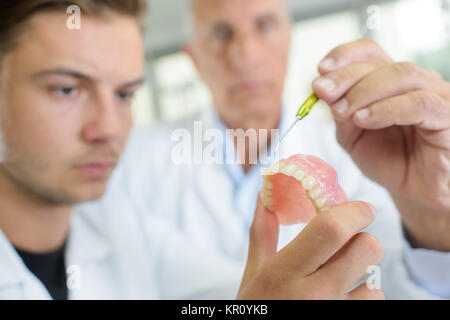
[[88, 239], [16, 281], [211, 120], [12, 271], [216, 198], [296, 141], [87, 243]]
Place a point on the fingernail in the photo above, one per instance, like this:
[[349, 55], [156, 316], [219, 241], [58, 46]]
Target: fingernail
[[341, 106], [362, 114], [372, 208], [327, 63], [325, 83]]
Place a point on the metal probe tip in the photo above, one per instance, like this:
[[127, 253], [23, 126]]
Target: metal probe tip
[[303, 111], [286, 133]]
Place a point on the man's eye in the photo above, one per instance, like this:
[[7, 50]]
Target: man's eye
[[65, 92], [266, 26], [222, 34], [125, 95]]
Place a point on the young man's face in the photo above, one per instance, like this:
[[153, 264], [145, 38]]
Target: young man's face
[[65, 108]]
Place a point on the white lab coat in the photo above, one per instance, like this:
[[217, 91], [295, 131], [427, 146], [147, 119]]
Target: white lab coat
[[197, 199], [114, 252]]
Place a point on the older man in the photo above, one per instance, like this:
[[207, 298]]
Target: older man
[[240, 48]]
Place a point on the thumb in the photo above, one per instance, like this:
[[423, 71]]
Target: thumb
[[263, 240]]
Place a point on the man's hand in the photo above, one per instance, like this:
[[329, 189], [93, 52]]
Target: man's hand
[[394, 120], [323, 262]]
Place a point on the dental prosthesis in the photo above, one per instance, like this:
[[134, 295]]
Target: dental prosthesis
[[298, 188]]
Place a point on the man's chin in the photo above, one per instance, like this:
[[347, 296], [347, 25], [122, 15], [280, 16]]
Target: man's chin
[[256, 110], [89, 194], [78, 194]]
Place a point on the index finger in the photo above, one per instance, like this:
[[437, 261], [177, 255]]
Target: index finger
[[325, 235], [361, 50]]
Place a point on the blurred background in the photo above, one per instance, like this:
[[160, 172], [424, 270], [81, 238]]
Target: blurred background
[[408, 30]]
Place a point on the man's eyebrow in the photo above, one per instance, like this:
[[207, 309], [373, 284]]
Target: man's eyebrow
[[217, 25], [81, 76], [266, 16], [137, 82], [63, 72]]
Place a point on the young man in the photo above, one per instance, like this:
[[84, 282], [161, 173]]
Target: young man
[[65, 116]]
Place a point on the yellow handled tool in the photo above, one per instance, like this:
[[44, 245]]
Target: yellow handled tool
[[303, 111]]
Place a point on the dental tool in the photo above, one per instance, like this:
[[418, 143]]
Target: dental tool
[[303, 111]]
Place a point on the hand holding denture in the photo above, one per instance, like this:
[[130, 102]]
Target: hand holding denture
[[394, 120], [331, 244]]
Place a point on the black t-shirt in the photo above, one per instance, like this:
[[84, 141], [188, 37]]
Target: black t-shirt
[[50, 269]]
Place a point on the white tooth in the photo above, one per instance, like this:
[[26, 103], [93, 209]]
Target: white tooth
[[267, 193], [325, 208], [279, 165], [265, 196], [268, 185], [308, 183], [314, 193], [289, 169], [321, 202], [268, 201], [269, 171], [273, 169], [299, 175]]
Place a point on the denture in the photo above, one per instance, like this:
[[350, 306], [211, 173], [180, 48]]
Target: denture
[[298, 188]]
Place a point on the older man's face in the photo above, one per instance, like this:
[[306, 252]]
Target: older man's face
[[65, 104], [240, 48]]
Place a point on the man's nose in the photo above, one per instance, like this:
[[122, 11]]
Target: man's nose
[[105, 122], [245, 52]]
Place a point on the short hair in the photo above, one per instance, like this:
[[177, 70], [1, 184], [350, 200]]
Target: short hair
[[15, 13]]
